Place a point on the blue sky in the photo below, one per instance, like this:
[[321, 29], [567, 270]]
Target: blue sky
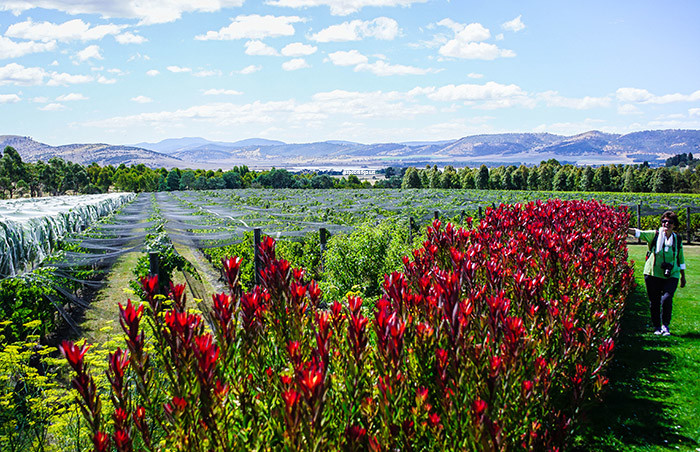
[[359, 70]]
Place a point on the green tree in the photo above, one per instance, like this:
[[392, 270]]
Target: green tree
[[482, 178], [662, 182], [586, 182], [411, 179], [172, 182]]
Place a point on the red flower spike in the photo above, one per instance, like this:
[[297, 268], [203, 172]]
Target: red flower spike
[[478, 410], [231, 268], [73, 354], [177, 294], [122, 440], [421, 395], [434, 421], [149, 284], [290, 397], [100, 442]]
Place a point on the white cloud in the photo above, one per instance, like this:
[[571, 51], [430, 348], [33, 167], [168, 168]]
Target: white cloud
[[628, 109], [152, 72], [384, 69], [73, 30], [380, 28], [514, 25], [106, 81], [259, 48], [468, 42], [130, 38], [342, 7], [12, 49], [297, 49], [475, 75], [349, 58], [295, 64], [16, 74], [71, 97], [178, 69], [53, 107], [222, 92], [9, 98], [250, 69], [645, 97], [139, 56], [150, 12], [209, 73], [88, 53], [570, 128], [142, 99], [693, 112], [553, 99], [254, 27], [63, 79], [40, 100], [472, 92]]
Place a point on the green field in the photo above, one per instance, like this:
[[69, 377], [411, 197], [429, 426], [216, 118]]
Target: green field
[[653, 401]]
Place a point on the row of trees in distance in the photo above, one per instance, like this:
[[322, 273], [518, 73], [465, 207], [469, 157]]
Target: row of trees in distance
[[56, 177]]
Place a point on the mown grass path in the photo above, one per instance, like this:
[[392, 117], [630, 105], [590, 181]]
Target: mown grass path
[[653, 401]]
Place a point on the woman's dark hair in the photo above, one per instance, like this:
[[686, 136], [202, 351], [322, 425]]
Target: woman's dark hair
[[671, 216]]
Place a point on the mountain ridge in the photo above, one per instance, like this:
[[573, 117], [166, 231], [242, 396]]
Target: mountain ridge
[[592, 147]]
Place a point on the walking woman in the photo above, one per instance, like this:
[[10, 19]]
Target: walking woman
[[664, 266]]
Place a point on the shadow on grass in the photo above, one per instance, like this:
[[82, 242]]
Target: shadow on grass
[[633, 412]]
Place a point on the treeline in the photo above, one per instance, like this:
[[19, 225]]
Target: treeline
[[57, 177], [552, 175]]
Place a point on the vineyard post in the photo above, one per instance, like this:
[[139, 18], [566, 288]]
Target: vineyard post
[[481, 215], [461, 217], [153, 263], [436, 214], [323, 232], [687, 222], [256, 235], [410, 229], [639, 220]]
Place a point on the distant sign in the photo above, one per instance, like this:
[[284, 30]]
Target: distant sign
[[359, 172]]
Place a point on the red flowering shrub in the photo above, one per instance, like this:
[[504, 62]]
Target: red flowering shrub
[[493, 338]]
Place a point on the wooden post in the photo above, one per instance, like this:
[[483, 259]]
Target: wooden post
[[639, 220], [436, 215], [687, 223], [153, 263], [481, 215], [461, 217], [323, 233], [256, 235], [410, 229]]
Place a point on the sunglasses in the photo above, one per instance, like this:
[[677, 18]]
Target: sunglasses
[[666, 222]]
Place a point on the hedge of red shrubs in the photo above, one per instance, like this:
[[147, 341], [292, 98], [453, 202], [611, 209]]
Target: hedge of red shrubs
[[492, 338]]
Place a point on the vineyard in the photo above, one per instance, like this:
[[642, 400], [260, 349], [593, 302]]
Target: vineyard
[[353, 320]]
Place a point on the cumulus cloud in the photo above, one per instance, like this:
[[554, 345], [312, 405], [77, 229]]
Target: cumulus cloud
[[295, 64], [342, 7], [259, 48], [643, 96], [467, 42], [16, 74], [106, 81], [72, 30], [150, 12], [254, 27], [384, 69], [222, 92], [152, 72], [473, 92], [88, 53], [12, 49], [628, 109], [298, 49], [250, 69], [382, 28], [142, 99], [514, 25], [63, 79], [130, 38], [347, 58], [9, 98], [694, 112], [53, 107], [178, 69], [475, 75], [553, 99], [207, 73], [71, 97]]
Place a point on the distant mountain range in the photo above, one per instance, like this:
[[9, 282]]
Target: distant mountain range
[[593, 147]]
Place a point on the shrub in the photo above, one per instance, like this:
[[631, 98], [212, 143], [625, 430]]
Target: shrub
[[493, 338]]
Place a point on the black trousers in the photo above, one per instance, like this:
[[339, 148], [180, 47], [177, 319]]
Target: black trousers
[[660, 292]]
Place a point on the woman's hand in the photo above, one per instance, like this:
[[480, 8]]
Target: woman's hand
[[682, 278]]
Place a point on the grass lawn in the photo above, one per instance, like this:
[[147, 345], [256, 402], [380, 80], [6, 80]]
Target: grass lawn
[[653, 400]]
